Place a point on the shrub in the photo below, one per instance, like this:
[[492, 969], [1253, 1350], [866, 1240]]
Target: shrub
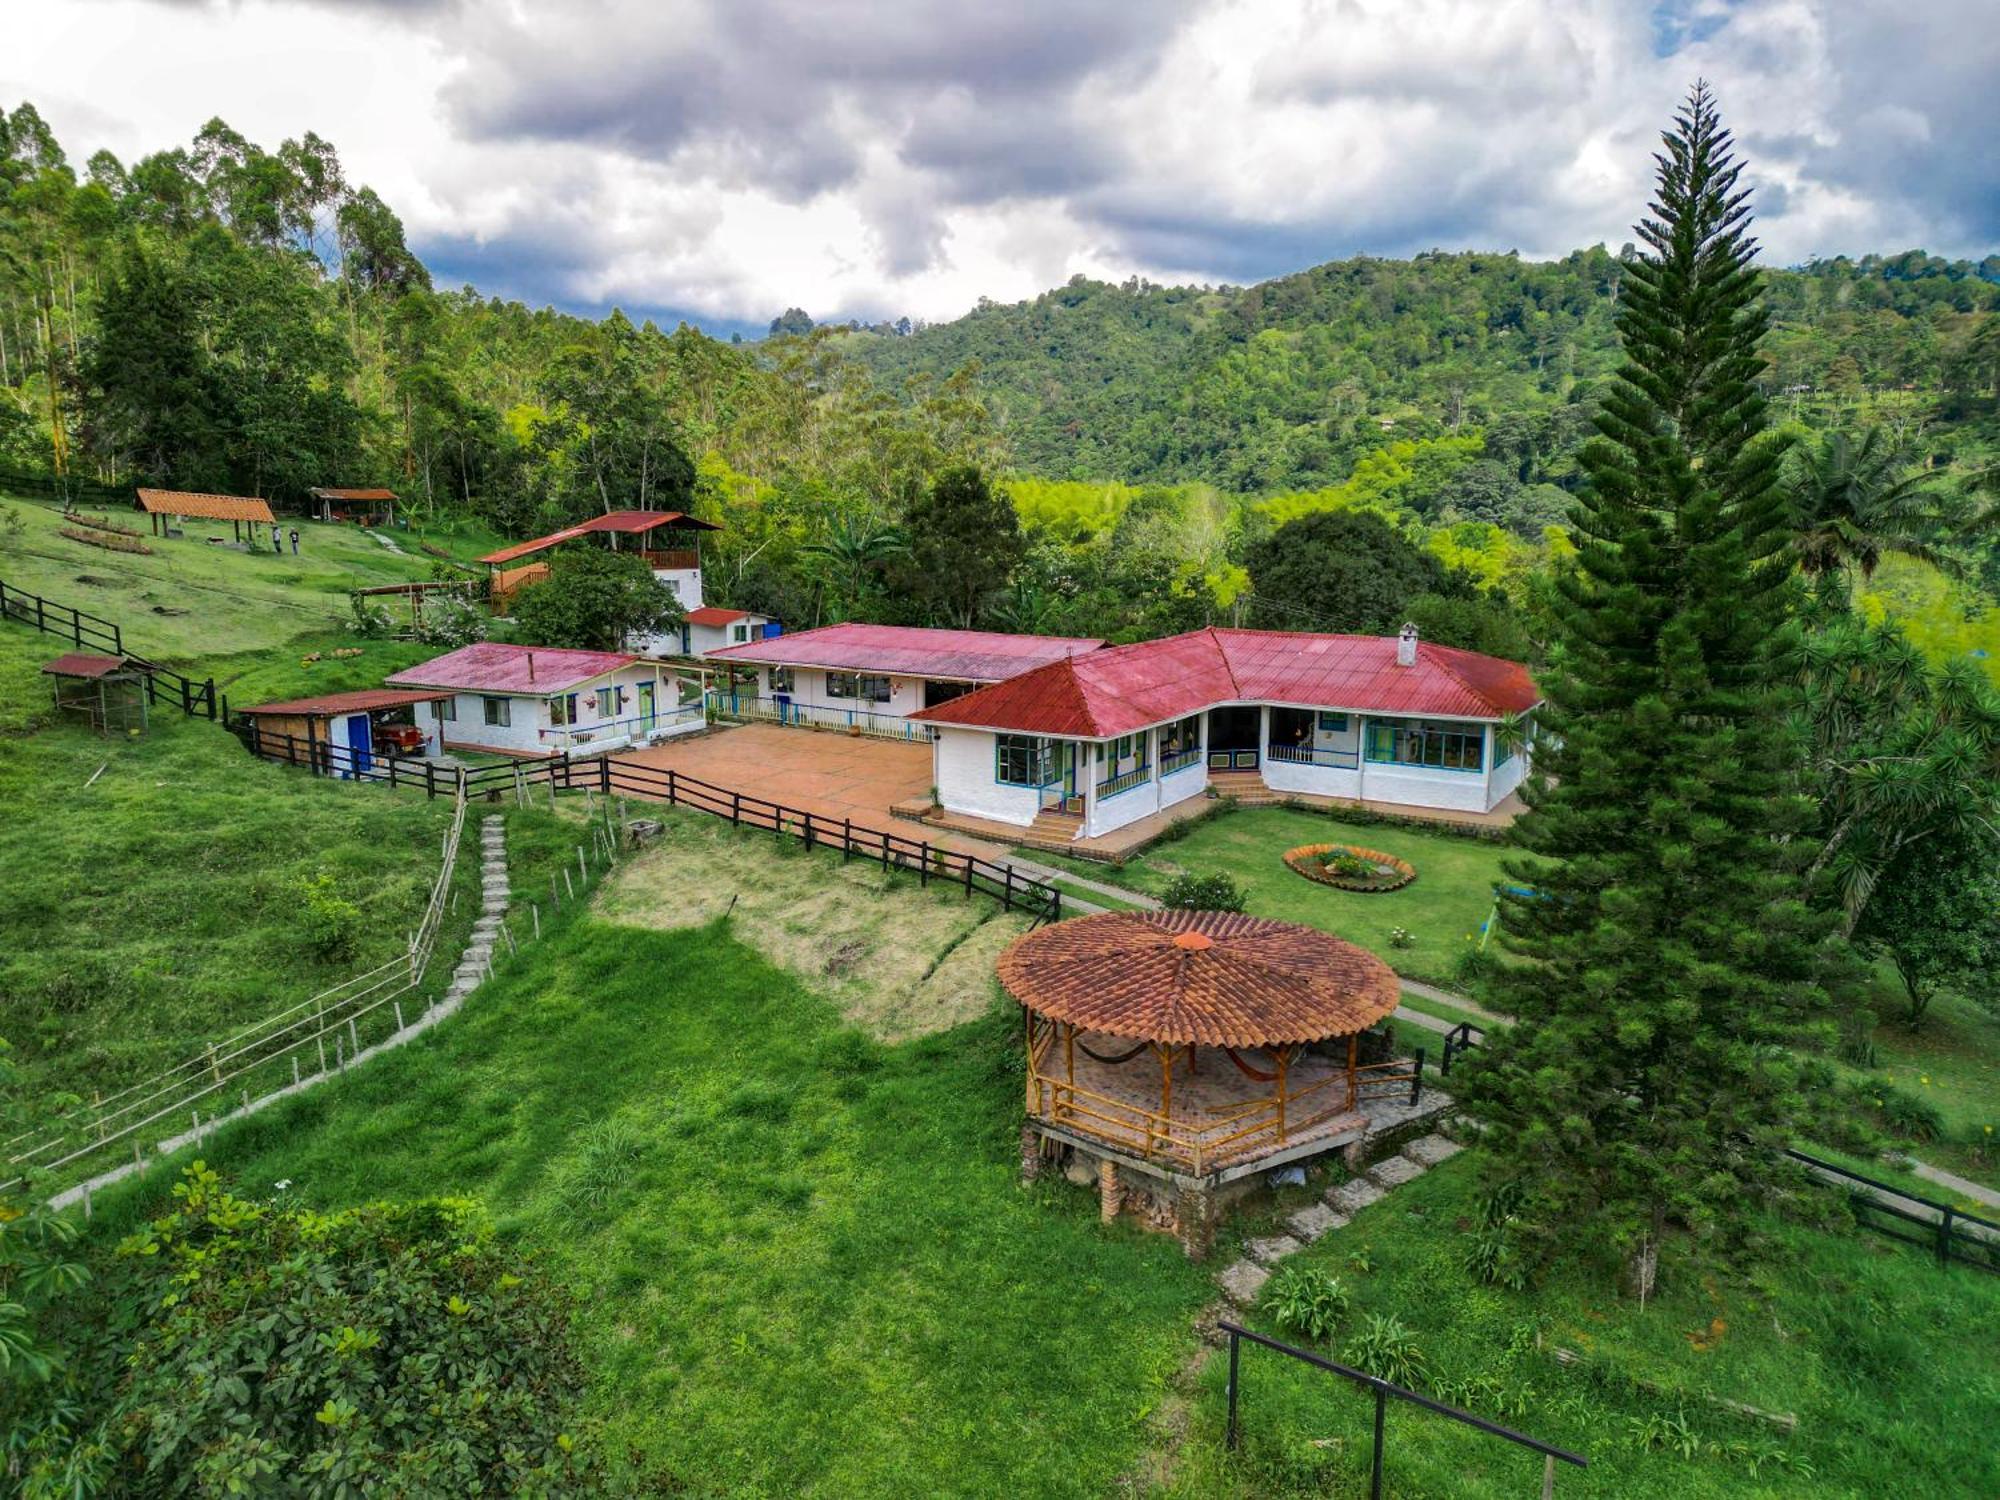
[[332, 922], [1190, 892], [1386, 1349], [1307, 1300], [371, 621], [1907, 1115], [1350, 866], [1402, 937], [453, 622], [392, 1347]]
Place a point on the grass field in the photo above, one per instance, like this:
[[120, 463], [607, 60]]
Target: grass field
[[191, 599], [1442, 909], [1885, 1359]]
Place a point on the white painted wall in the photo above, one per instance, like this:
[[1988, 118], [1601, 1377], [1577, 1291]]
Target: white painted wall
[[531, 731], [685, 582], [1311, 780], [1506, 778], [906, 694], [964, 761]]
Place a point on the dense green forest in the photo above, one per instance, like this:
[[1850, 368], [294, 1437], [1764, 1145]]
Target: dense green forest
[[221, 316]]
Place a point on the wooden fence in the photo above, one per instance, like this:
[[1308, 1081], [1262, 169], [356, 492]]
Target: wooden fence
[[610, 775], [1953, 1235], [88, 632]]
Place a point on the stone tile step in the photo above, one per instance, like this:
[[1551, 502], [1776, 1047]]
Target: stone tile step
[[1272, 1250], [1314, 1220], [1395, 1171], [1430, 1150], [1242, 1282], [1351, 1197]]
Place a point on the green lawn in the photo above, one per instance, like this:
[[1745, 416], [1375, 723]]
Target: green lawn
[[1951, 1062], [1443, 909], [190, 598], [805, 1262], [1886, 1360]]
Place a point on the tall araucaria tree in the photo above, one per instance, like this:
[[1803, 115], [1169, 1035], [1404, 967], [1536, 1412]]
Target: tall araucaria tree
[[1646, 1086]]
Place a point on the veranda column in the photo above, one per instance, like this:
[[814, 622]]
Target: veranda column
[[1088, 753]]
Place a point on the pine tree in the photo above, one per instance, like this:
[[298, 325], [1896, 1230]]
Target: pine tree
[[1646, 1085]]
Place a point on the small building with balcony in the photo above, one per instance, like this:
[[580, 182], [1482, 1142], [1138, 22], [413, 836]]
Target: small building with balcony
[[668, 541], [1100, 741], [541, 700]]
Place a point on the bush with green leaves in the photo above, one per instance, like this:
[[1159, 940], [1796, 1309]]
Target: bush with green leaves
[[1385, 1348], [452, 622], [1349, 865], [1190, 892], [386, 1349], [1907, 1115], [1307, 1300], [332, 922]]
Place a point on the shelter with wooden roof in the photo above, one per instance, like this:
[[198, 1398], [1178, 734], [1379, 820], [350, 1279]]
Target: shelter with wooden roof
[[1184, 1052], [165, 507], [367, 507], [106, 692], [677, 566]]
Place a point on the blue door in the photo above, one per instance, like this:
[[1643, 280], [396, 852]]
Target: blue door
[[359, 745]]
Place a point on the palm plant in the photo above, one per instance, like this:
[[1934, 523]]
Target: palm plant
[[854, 547], [1853, 504]]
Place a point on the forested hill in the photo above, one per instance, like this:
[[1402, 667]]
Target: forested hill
[[1284, 384]]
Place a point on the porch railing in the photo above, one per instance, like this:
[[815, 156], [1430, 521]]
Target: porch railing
[[1314, 755], [815, 716], [1180, 760], [1112, 786], [588, 737]]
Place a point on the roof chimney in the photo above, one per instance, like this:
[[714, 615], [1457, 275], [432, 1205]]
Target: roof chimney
[[1406, 646]]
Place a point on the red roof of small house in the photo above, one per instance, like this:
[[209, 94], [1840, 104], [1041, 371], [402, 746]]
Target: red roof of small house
[[205, 507], [910, 651], [1124, 688], [364, 700], [325, 493], [495, 667], [716, 614], [623, 521], [83, 664]]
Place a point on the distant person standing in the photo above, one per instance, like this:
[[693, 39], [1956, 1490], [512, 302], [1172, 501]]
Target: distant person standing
[[295, 541], [277, 541]]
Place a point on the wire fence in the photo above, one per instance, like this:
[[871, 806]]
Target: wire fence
[[256, 1064]]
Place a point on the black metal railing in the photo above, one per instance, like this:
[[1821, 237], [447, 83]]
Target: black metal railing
[[1464, 1037], [1384, 1390], [1953, 1235]]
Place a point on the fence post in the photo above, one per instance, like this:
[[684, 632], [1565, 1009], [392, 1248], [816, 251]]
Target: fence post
[[924, 869], [208, 689], [430, 781], [1375, 1467], [1944, 1236], [1417, 1078], [604, 774], [673, 791], [1235, 1344], [1007, 889], [1549, 1476], [846, 839], [735, 808]]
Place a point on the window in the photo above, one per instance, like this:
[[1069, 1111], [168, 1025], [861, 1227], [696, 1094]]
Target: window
[[447, 710], [610, 702], [562, 710], [1021, 760], [1333, 723], [781, 679], [1413, 742], [855, 685], [499, 711], [738, 634], [1182, 735]]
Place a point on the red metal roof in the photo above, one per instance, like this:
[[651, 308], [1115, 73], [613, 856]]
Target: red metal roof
[[911, 651], [715, 614], [624, 521], [363, 700], [324, 493], [494, 667], [83, 664], [1124, 688]]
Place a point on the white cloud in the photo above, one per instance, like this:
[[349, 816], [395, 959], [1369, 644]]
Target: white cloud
[[728, 158]]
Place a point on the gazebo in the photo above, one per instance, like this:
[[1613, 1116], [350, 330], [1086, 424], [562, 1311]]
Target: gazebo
[[1197, 1048], [106, 692]]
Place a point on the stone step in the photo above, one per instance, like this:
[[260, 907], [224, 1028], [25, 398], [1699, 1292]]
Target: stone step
[[1432, 1150], [1395, 1171], [1314, 1220], [1242, 1282], [1351, 1197], [1272, 1250]]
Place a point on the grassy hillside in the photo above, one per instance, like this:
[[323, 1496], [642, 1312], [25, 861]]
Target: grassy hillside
[[191, 598]]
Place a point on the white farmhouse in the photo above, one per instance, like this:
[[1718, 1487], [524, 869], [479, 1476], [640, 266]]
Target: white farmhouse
[[1096, 741], [541, 700]]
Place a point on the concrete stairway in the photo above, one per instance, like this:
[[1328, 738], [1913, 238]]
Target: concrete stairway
[[1244, 787], [1053, 827]]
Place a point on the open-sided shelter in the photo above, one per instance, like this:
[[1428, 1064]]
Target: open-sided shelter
[[368, 507], [166, 508], [106, 692]]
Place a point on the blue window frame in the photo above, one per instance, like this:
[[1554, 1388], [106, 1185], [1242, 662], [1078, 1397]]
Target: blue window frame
[[1416, 742], [1022, 760]]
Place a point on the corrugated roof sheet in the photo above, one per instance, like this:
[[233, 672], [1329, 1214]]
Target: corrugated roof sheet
[[206, 507], [494, 667], [362, 700], [622, 521], [333, 494], [83, 664], [910, 651], [1214, 979], [1124, 688], [716, 614]]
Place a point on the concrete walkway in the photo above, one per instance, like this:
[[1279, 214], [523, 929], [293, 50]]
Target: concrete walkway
[[1952, 1182]]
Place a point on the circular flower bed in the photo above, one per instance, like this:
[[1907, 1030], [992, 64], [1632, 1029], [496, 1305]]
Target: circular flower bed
[[1351, 867]]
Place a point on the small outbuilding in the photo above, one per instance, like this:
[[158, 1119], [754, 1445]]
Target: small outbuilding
[[366, 507], [549, 700], [166, 508], [341, 734], [106, 692]]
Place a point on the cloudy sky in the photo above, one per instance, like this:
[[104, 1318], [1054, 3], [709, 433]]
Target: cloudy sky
[[722, 159]]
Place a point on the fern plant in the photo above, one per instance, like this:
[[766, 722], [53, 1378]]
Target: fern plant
[[1308, 1301]]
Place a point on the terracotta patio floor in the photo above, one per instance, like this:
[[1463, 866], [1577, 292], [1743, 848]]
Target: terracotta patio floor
[[832, 775]]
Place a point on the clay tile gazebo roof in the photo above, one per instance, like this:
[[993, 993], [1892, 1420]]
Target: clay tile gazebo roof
[[1214, 979]]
